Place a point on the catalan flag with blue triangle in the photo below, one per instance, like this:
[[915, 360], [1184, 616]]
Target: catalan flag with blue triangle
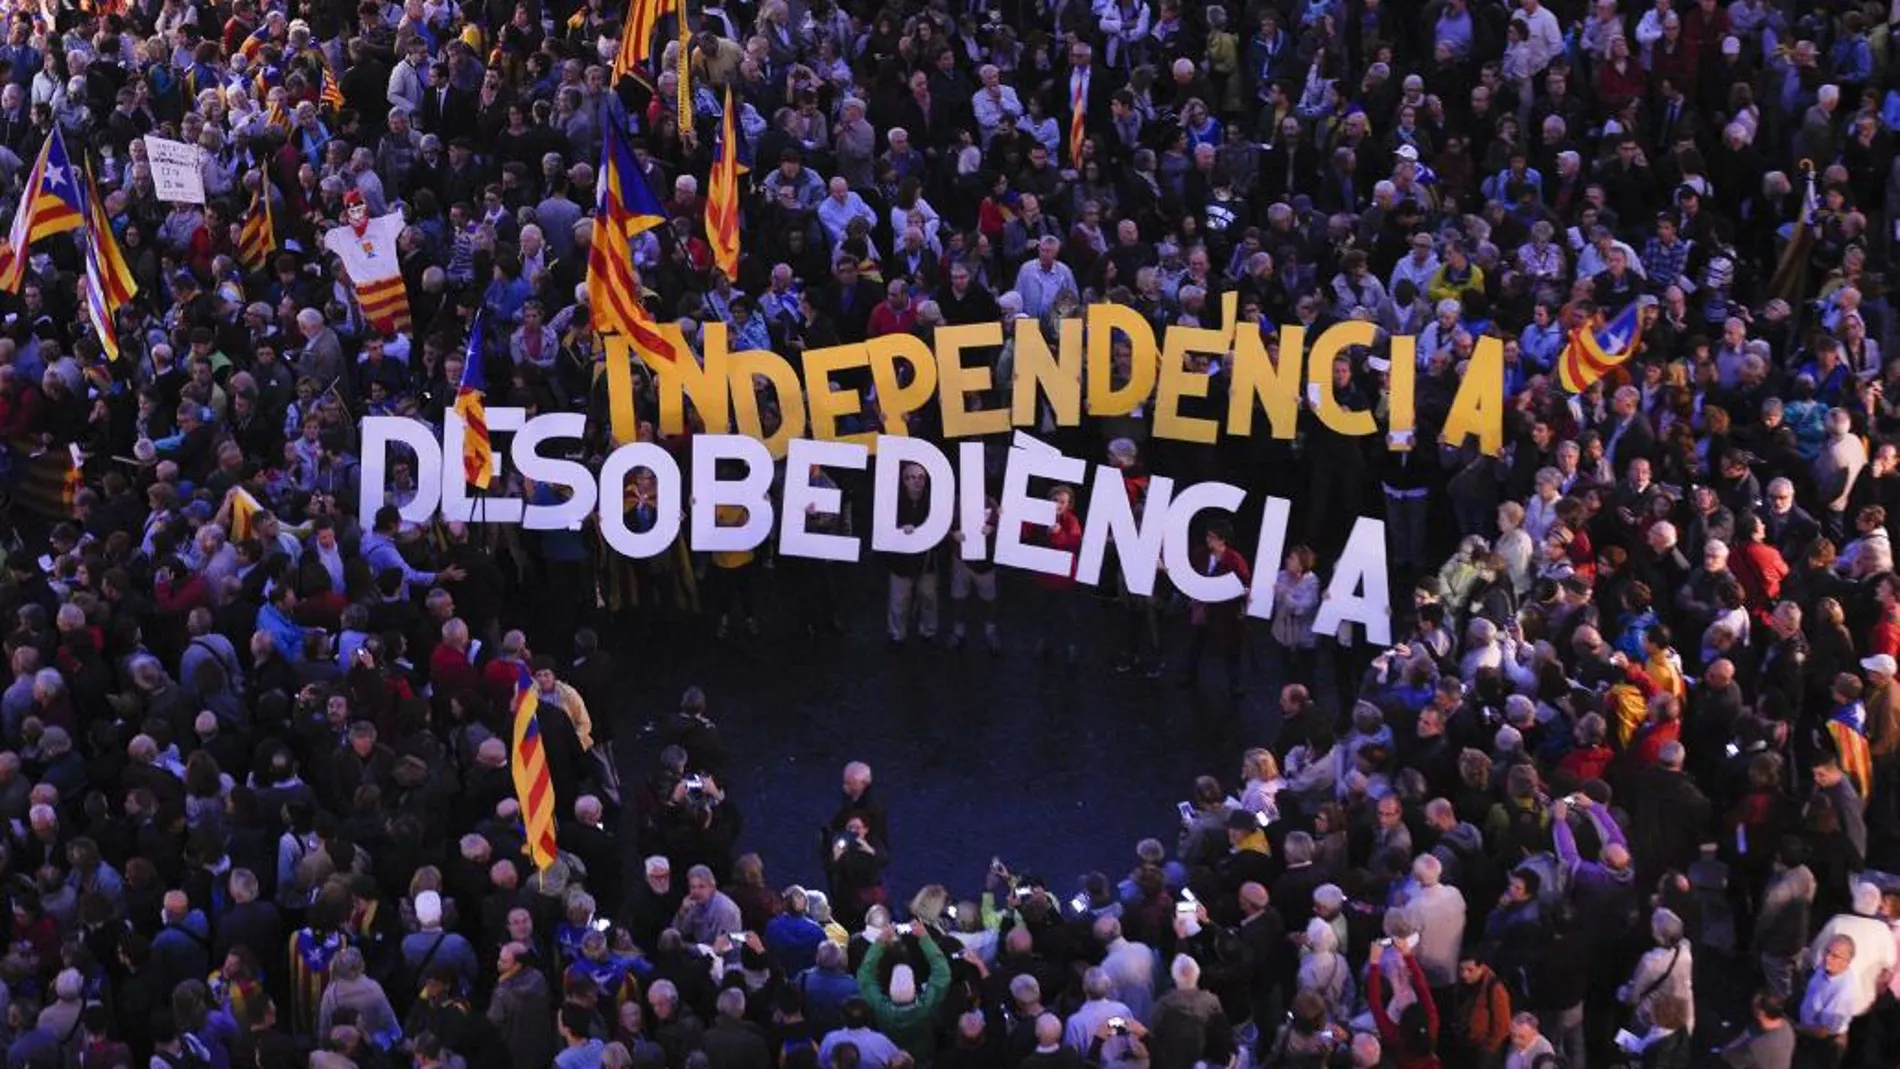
[[109, 281], [478, 452], [1598, 347], [533, 785], [52, 203]]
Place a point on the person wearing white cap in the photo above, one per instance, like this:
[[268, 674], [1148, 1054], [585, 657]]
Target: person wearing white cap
[[430, 947], [1881, 700], [1874, 955]]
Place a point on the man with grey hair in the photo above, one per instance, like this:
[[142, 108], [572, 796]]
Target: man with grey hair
[[707, 913], [1667, 814], [1040, 281], [732, 1042], [1182, 1016], [1873, 957], [1439, 911], [1099, 1005], [1293, 890], [247, 921], [1785, 524], [995, 105], [1129, 966], [321, 357]]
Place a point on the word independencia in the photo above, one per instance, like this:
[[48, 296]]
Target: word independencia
[[720, 386]]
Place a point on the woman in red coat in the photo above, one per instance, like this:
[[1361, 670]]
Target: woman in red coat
[[1411, 1039], [1057, 597], [1218, 625]]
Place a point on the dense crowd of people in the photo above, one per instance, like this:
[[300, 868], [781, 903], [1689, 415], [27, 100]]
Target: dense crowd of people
[[1622, 794]]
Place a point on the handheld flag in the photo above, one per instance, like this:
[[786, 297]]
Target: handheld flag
[[259, 237], [332, 93], [641, 209], [52, 204], [684, 102], [1856, 756], [254, 42], [613, 288], [244, 510], [1078, 119], [533, 786], [1791, 271], [109, 281], [722, 196], [612, 296], [478, 453], [1597, 349], [636, 35]]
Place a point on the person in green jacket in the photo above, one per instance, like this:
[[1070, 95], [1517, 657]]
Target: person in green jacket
[[903, 1014]]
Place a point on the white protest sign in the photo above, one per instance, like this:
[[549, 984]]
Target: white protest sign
[[177, 172]]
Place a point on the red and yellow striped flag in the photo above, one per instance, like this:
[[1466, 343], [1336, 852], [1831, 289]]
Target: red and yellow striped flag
[[478, 452], [331, 96], [1078, 119], [1856, 756], [259, 237], [385, 304], [49, 205], [533, 786], [722, 196], [109, 281], [244, 510], [636, 35]]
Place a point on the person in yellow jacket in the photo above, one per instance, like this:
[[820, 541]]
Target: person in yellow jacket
[[551, 693]]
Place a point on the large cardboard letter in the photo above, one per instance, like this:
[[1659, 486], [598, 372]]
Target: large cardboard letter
[[1105, 398], [1178, 382], [828, 405], [972, 501], [752, 492], [1319, 376], [496, 506], [1017, 509], [1363, 562], [955, 382], [897, 399], [566, 515], [1040, 375], [705, 381], [802, 499], [613, 489], [1177, 543], [886, 536], [1259, 377], [1111, 520], [1479, 406], [744, 370], [373, 466], [1266, 556]]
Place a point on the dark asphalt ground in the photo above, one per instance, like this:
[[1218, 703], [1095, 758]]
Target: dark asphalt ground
[[1058, 770]]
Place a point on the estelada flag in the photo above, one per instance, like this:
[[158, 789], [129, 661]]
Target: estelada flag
[[1596, 349], [478, 451]]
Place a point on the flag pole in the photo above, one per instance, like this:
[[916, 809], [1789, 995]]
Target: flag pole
[[684, 64]]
